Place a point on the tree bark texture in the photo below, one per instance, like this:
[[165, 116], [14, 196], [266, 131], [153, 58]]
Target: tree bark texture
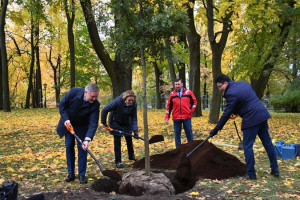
[[4, 64], [259, 85], [170, 60], [194, 55], [217, 51], [70, 13], [38, 89], [1, 84], [158, 85], [119, 72], [30, 85]]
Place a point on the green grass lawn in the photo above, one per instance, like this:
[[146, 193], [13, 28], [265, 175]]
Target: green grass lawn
[[33, 155]]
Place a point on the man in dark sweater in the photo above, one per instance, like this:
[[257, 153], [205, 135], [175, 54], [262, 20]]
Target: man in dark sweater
[[241, 100]]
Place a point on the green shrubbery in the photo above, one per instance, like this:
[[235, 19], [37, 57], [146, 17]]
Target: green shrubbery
[[290, 101]]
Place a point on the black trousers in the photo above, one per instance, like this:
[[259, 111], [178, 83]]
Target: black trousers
[[117, 148]]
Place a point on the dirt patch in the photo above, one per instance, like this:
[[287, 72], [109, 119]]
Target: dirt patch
[[206, 162]]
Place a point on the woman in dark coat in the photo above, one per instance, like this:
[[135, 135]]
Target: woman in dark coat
[[123, 119]]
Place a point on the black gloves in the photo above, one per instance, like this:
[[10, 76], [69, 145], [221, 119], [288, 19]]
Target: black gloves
[[136, 135], [213, 132]]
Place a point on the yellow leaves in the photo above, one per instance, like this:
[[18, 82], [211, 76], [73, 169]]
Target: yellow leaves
[[291, 169], [194, 193], [1, 181], [55, 180], [53, 166], [9, 169], [288, 196], [229, 191], [288, 183], [217, 181]]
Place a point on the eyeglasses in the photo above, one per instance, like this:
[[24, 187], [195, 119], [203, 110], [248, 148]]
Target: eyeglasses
[[219, 86]]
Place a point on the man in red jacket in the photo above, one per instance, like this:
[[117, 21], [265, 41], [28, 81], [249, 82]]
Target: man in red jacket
[[183, 103]]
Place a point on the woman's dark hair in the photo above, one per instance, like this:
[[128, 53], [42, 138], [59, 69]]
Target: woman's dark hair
[[222, 78]]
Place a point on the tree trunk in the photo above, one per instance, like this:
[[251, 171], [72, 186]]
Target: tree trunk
[[217, 51], [158, 90], [56, 72], [170, 60], [70, 13], [5, 78], [259, 85], [181, 67], [194, 55], [30, 86], [146, 137], [38, 90], [1, 84], [119, 72]]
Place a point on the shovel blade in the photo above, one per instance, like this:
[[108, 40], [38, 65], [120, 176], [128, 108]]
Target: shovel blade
[[156, 138], [112, 174]]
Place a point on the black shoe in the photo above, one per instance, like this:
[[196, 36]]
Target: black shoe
[[82, 180], [133, 158], [70, 177], [275, 173], [120, 165], [252, 177]]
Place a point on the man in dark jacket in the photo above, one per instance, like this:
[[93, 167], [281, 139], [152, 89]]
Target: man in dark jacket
[[123, 119], [241, 100], [181, 103], [79, 108]]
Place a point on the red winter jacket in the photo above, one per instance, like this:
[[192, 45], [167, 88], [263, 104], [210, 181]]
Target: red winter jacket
[[183, 106]]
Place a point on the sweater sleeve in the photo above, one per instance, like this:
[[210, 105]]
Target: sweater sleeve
[[108, 108], [231, 102]]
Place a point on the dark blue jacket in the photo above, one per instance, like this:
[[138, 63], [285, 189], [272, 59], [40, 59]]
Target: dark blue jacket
[[83, 115], [242, 100], [122, 117]]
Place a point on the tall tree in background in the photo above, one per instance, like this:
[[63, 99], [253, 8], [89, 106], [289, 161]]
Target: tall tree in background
[[1, 84], [4, 63], [194, 54], [217, 48], [118, 70], [38, 79], [32, 54], [70, 13]]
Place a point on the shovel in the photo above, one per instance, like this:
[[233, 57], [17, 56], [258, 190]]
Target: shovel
[[153, 139], [110, 173], [185, 161], [240, 147], [199, 145]]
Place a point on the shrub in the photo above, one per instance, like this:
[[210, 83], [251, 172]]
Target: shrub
[[290, 101]]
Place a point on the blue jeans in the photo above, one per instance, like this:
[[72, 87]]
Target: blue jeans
[[249, 135], [187, 126], [70, 152]]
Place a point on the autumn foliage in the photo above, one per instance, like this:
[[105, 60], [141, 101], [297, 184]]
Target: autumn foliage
[[32, 154]]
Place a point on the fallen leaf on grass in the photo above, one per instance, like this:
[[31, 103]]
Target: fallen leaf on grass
[[9, 169], [288, 183], [194, 193], [229, 191], [55, 180]]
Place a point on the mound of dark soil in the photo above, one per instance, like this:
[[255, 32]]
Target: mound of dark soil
[[206, 162]]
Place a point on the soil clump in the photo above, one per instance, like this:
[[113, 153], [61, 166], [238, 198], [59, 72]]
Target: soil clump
[[206, 162]]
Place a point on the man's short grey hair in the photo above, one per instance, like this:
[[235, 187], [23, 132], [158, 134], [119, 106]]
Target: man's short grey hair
[[91, 87]]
